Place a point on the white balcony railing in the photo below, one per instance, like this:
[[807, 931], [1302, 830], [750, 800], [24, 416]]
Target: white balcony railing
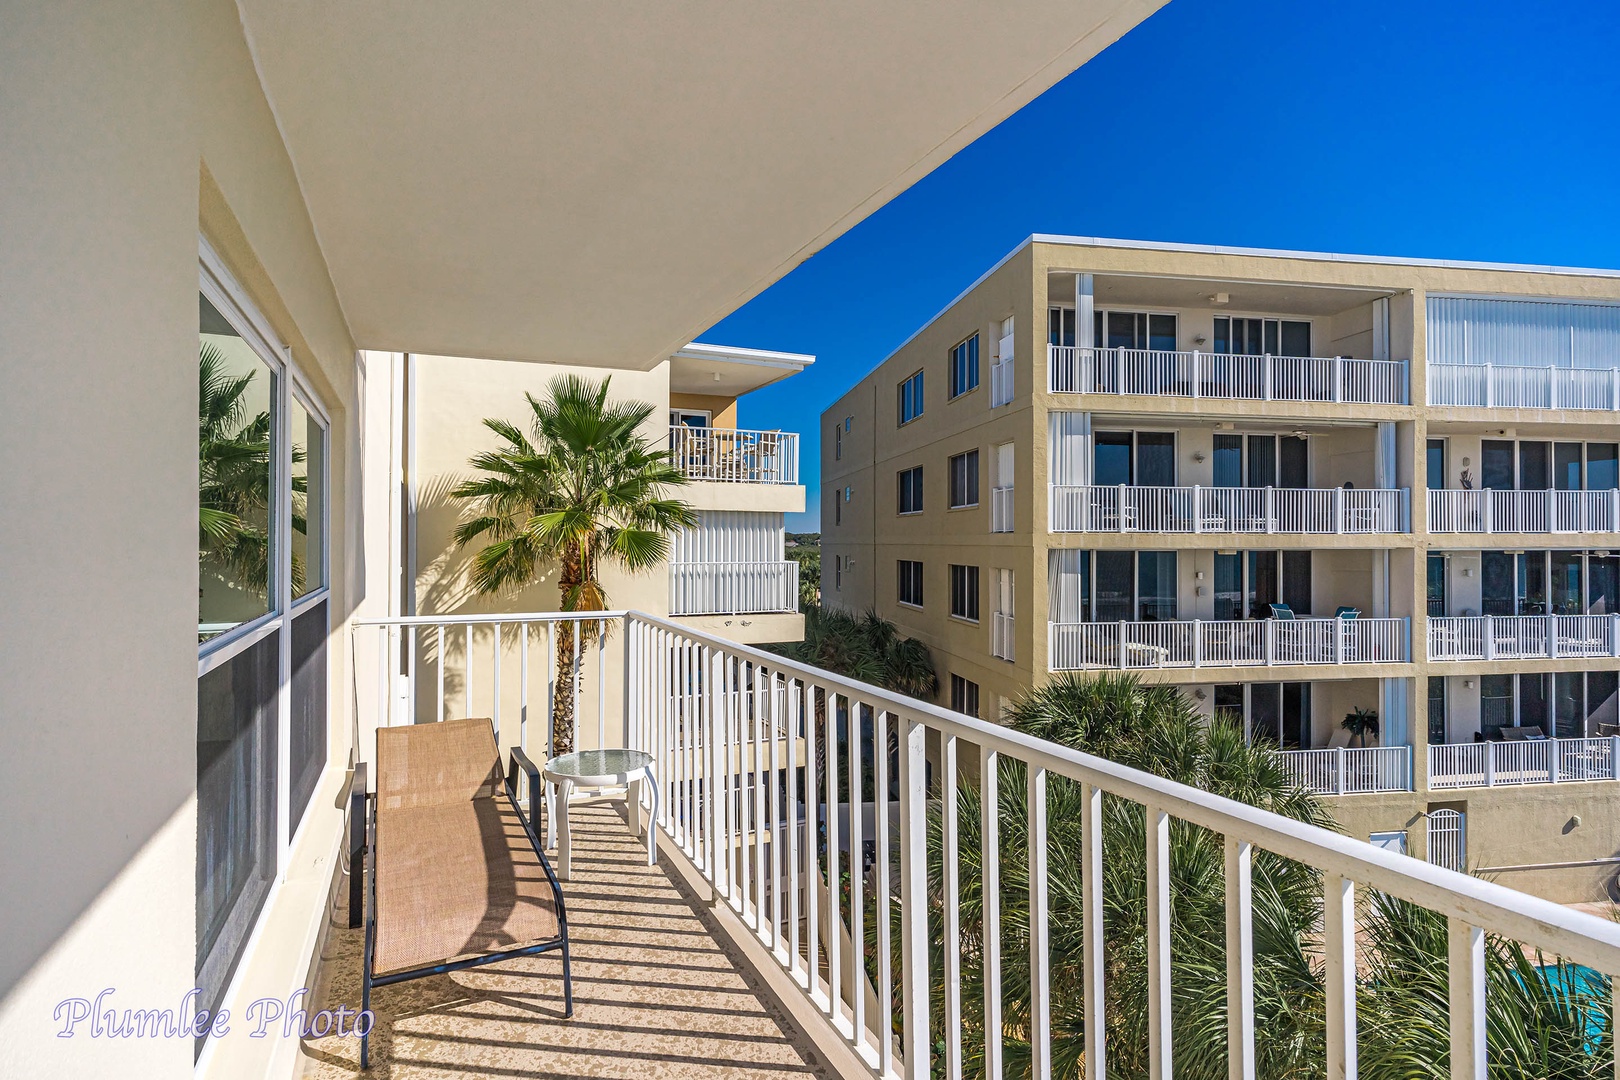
[[734, 455], [1493, 386], [1322, 511], [1350, 770], [1076, 369], [1226, 643], [744, 808], [1523, 637], [1492, 511], [733, 588], [1001, 383], [1001, 510], [1526, 761], [1001, 635]]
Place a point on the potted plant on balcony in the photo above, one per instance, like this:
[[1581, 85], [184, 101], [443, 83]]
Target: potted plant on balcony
[[587, 489], [1360, 723]]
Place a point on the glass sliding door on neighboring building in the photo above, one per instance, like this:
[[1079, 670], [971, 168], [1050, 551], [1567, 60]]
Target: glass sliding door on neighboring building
[[1437, 710], [1277, 713], [1112, 586], [1260, 337]]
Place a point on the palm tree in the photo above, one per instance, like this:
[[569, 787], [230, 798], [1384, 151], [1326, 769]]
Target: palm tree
[[1155, 729], [233, 475], [586, 490]]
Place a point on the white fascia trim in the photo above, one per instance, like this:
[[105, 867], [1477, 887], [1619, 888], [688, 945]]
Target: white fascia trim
[[729, 354], [1318, 256]]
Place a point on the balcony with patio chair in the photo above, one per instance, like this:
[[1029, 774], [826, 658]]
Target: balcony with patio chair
[[747, 946]]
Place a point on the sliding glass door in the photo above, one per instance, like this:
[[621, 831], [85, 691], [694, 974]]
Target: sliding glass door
[[1259, 461]]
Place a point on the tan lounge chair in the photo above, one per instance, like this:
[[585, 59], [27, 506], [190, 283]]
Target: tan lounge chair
[[456, 876]]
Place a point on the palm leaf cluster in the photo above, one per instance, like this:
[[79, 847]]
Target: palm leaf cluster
[[864, 647], [1546, 1018], [234, 470], [584, 487]]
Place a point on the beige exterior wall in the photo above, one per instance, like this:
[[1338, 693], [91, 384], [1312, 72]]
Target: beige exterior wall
[[127, 134], [1335, 295]]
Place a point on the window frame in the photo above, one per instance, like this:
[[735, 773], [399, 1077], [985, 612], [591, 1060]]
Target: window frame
[[913, 487], [970, 480], [905, 393], [964, 587], [909, 572], [963, 363], [220, 288], [959, 694]]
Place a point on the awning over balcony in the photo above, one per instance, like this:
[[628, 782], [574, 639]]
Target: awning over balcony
[[554, 182]]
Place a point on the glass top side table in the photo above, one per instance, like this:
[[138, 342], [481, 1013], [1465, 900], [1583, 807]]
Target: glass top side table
[[601, 768]]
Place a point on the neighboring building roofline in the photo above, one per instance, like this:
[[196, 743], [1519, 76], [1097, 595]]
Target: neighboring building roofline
[[1318, 256]]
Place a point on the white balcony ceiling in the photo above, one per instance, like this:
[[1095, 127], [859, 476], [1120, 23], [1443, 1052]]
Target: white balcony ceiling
[[578, 181]]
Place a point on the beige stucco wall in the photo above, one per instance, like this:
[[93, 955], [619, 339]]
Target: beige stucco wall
[[126, 132]]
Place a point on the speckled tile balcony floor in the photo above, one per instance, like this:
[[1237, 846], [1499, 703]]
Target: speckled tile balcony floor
[[657, 992]]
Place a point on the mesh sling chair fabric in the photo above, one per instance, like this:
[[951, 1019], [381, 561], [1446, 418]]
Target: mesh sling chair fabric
[[458, 877]]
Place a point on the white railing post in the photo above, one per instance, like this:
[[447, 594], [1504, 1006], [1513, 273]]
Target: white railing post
[[1554, 751], [1265, 374], [1490, 762], [1490, 387], [1270, 509], [1239, 964], [1490, 637], [1339, 945], [1119, 510], [1614, 757], [1197, 509], [1488, 518], [1158, 944], [1338, 642], [1338, 511], [1466, 956], [1040, 972], [1552, 635], [1340, 763], [1614, 634], [1268, 629], [1198, 643], [913, 892], [1122, 664], [1197, 389], [1338, 379]]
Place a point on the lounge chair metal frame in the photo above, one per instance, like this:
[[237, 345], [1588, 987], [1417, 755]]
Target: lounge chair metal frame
[[363, 891]]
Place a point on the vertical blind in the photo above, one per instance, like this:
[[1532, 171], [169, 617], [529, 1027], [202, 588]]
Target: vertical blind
[[731, 536], [1523, 333]]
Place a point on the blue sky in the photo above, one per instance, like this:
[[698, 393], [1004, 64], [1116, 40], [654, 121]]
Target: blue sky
[[1468, 130]]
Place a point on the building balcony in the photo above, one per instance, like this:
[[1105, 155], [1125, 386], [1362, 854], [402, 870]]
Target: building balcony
[[1001, 635], [1308, 511], [1493, 386], [1350, 770], [750, 773], [1498, 511], [1523, 761], [1074, 369], [734, 455], [1130, 646], [1001, 509], [1523, 637], [733, 588]]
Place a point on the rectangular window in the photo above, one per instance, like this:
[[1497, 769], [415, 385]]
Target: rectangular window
[[1437, 710], [1114, 579], [1060, 326], [964, 695], [910, 495], [965, 592], [838, 571], [838, 442], [1436, 463], [262, 620], [1601, 474], [838, 508], [1258, 337], [1535, 471], [1496, 465], [1156, 586], [965, 480], [909, 573], [965, 366], [911, 398]]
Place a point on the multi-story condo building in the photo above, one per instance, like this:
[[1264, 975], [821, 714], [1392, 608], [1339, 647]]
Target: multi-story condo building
[[1295, 485]]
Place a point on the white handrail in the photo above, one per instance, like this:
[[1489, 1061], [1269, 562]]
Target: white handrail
[[1521, 637], [732, 729], [1350, 770], [1198, 643], [1529, 761], [1198, 509], [1513, 511], [1519, 387], [735, 455], [1074, 369]]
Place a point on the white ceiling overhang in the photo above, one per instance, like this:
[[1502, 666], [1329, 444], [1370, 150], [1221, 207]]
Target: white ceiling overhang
[[594, 182]]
